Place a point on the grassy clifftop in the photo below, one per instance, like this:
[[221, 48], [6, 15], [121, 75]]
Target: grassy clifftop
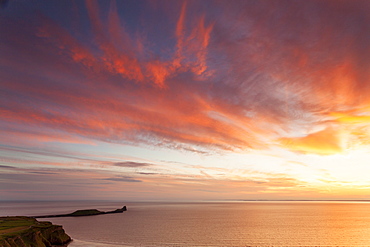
[[86, 212], [28, 232]]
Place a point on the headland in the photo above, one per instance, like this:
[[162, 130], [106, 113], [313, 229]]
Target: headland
[[84, 212], [21, 231]]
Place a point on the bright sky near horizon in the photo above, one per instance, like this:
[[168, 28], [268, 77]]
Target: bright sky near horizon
[[184, 100]]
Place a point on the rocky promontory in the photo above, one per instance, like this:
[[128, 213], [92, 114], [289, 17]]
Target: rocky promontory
[[21, 231], [83, 212]]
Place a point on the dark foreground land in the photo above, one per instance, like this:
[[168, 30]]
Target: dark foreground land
[[20, 231], [85, 212]]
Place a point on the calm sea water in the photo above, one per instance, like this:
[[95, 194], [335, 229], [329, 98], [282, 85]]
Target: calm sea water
[[209, 224]]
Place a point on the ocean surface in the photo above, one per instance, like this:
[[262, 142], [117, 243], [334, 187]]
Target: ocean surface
[[209, 223]]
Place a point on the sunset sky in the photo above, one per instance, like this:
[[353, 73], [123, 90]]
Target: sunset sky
[[184, 100]]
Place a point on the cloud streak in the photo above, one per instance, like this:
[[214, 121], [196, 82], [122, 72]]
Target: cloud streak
[[122, 179], [132, 164]]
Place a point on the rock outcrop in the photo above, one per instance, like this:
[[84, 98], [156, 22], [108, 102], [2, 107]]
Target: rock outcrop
[[23, 231]]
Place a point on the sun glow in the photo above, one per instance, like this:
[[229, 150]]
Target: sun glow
[[338, 170]]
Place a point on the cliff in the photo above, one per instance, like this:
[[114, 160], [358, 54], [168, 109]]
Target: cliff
[[23, 231]]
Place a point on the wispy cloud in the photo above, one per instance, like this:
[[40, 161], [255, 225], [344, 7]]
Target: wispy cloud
[[131, 164], [122, 179], [7, 167]]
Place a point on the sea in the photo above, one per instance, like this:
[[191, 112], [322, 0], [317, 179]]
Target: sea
[[237, 223]]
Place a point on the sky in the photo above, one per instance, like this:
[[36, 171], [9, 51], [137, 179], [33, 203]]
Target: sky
[[184, 100]]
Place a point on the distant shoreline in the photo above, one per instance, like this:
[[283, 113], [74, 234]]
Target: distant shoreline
[[197, 201], [83, 212], [305, 200]]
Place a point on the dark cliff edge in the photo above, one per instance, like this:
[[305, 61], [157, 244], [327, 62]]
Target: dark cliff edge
[[21, 231], [84, 212]]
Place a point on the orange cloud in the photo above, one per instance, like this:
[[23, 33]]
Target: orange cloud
[[180, 36], [324, 142], [158, 72], [120, 54], [197, 43], [349, 118], [66, 42]]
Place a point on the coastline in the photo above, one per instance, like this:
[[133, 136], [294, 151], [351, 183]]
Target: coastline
[[82, 243], [21, 231]]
